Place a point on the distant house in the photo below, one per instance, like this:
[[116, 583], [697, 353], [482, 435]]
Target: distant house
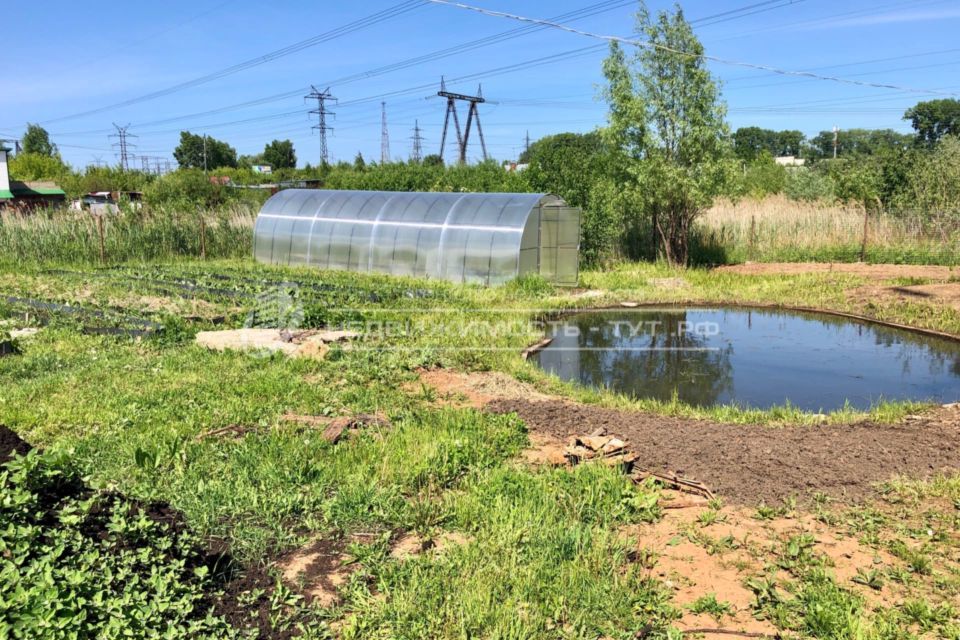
[[26, 195], [101, 202], [790, 161]]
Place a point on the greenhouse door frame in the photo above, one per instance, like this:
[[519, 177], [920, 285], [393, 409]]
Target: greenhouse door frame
[[558, 244]]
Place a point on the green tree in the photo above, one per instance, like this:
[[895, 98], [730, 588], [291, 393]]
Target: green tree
[[761, 177], [433, 160], [359, 164], [186, 189], [667, 128], [934, 119], [857, 142], [37, 166], [789, 143], [750, 142], [247, 162], [280, 155], [566, 164], [933, 182], [37, 140], [858, 180], [199, 152], [573, 166]]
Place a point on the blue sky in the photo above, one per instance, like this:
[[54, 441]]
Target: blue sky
[[72, 57]]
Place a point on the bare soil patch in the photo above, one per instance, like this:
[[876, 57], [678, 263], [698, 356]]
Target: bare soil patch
[[692, 572], [750, 464], [319, 569], [876, 271], [409, 545], [945, 294], [477, 389], [676, 550], [11, 443]]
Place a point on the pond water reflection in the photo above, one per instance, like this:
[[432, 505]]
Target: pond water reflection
[[751, 357]]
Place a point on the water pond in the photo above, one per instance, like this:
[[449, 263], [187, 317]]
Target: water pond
[[751, 357]]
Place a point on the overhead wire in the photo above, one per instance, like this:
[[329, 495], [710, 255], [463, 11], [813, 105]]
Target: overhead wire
[[376, 18], [653, 45], [587, 11]]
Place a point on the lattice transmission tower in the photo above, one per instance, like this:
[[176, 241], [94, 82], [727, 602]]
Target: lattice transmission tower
[[123, 145], [322, 112], [463, 139], [417, 155], [384, 135]]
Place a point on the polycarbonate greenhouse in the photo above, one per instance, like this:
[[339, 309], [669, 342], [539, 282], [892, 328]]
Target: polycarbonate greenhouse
[[464, 237]]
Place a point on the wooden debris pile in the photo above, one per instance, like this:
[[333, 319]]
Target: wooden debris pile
[[598, 446], [610, 450]]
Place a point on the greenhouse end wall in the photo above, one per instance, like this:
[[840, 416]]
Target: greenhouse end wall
[[487, 238]]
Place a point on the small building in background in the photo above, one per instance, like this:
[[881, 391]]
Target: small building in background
[[790, 161], [26, 195], [101, 202]]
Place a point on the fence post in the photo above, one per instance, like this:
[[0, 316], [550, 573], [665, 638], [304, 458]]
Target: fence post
[[103, 254], [863, 244], [203, 239], [753, 236]]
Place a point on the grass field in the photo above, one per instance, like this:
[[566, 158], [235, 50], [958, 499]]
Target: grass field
[[537, 552]]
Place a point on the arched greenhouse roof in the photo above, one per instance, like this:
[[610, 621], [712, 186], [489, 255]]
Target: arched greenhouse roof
[[473, 237]]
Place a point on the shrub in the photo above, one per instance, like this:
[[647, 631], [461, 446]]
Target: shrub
[[808, 185]]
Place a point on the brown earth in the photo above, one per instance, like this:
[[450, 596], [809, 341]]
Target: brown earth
[[475, 389], [11, 443], [319, 569], [750, 464], [876, 271], [945, 294], [680, 550]]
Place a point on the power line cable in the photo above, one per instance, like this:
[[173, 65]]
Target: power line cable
[[584, 12], [588, 11], [368, 21], [648, 44]]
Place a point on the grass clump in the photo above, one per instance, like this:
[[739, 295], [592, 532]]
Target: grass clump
[[543, 560], [709, 605]]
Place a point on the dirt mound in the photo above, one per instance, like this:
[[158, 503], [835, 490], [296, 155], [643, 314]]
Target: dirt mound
[[749, 464], [477, 388], [11, 443], [876, 271]]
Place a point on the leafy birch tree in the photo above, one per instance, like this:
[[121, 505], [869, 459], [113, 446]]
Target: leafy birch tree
[[667, 128]]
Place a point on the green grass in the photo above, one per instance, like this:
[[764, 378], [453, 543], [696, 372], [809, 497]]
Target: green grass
[[541, 556]]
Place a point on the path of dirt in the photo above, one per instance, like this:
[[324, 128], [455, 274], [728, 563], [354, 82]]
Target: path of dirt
[[749, 464], [876, 271]]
